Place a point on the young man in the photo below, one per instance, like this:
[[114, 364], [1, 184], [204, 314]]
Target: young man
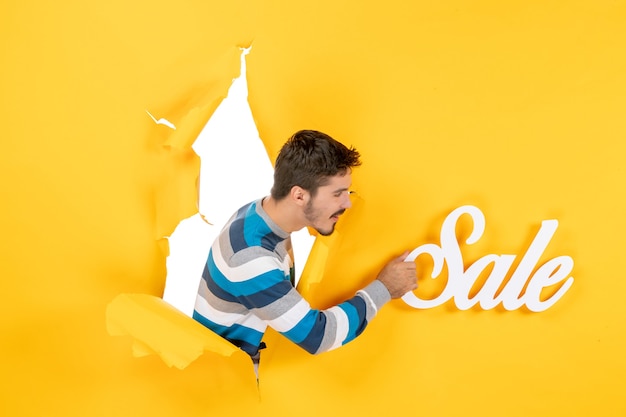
[[246, 284]]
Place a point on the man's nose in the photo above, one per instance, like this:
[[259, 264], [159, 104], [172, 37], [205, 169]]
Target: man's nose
[[347, 202]]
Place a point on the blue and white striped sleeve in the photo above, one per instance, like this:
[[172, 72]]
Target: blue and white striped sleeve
[[319, 331]]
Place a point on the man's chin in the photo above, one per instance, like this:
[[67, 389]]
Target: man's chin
[[326, 232]]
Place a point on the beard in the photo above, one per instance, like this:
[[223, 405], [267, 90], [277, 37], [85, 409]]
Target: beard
[[313, 215]]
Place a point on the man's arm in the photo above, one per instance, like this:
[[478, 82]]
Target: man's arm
[[319, 331]]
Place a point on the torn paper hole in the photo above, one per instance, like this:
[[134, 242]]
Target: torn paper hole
[[234, 170], [162, 121]]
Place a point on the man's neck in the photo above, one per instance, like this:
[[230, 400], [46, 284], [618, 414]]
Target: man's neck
[[282, 214]]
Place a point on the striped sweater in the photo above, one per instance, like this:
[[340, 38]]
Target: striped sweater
[[245, 287]]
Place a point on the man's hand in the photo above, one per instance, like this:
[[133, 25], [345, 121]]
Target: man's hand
[[398, 276]]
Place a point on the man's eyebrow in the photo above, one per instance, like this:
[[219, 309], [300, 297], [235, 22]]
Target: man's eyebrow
[[340, 190]]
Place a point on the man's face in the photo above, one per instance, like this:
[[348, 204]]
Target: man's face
[[331, 200]]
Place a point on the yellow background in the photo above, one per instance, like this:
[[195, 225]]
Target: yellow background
[[515, 107]]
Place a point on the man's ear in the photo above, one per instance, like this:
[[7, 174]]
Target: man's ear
[[299, 195]]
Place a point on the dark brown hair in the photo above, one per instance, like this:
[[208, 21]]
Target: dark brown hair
[[308, 159]]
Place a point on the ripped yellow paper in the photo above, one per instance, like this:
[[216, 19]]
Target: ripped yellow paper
[[158, 328]]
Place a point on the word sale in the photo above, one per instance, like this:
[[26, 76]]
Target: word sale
[[460, 280]]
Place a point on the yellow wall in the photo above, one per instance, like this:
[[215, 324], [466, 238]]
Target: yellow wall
[[515, 107]]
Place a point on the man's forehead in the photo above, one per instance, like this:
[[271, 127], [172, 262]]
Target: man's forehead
[[338, 182]]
